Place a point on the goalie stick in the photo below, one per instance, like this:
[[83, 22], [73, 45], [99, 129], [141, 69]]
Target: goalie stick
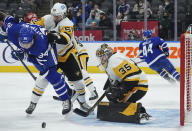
[[85, 114]]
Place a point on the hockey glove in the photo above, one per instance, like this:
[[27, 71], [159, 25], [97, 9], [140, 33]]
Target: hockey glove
[[53, 36], [166, 54], [18, 53]]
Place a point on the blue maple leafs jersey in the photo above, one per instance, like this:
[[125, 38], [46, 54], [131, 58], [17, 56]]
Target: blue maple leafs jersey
[[153, 49], [41, 53], [12, 28]]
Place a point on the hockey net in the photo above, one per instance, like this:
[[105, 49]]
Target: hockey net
[[186, 81]]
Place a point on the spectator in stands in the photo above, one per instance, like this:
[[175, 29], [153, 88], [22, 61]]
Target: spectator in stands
[[138, 9], [149, 14], [38, 4], [167, 6], [78, 9], [79, 16], [164, 25], [92, 22], [32, 4], [97, 11], [123, 11], [104, 22], [31, 17], [71, 16]]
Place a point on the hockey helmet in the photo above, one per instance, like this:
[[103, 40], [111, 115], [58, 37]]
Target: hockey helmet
[[104, 53], [59, 9], [147, 33], [103, 46], [26, 37], [31, 17]]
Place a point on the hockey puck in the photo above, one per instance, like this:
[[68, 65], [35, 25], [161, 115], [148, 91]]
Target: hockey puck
[[43, 124]]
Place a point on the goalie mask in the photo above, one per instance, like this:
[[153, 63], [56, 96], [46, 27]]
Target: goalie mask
[[104, 53]]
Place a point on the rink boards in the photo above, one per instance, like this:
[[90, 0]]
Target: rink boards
[[128, 48]]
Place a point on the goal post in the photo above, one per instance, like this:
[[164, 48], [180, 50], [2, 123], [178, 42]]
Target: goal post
[[185, 79]]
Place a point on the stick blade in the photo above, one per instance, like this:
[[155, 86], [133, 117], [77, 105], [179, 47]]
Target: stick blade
[[80, 112], [56, 98]]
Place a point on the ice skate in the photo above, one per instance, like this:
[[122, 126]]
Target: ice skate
[[94, 95], [67, 105], [145, 118], [31, 108]]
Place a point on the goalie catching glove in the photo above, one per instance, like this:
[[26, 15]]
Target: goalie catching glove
[[115, 93]]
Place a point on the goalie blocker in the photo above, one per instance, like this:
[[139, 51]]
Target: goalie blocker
[[121, 112]]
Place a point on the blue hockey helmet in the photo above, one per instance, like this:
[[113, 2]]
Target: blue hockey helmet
[[147, 33], [26, 37]]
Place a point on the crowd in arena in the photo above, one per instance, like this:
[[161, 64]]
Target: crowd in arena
[[99, 13]]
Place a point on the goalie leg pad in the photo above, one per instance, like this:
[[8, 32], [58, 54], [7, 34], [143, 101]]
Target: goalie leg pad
[[119, 112]]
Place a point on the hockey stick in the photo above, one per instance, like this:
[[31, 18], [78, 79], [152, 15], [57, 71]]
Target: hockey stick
[[20, 59], [72, 98], [139, 62], [56, 98], [85, 114]]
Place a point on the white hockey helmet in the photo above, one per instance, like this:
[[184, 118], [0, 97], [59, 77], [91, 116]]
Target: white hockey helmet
[[58, 9]]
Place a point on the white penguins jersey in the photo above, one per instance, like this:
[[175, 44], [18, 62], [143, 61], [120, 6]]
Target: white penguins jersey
[[66, 29], [120, 68]]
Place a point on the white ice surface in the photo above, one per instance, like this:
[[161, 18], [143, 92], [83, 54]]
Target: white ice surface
[[161, 101]]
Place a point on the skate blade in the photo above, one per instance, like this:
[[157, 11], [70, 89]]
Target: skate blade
[[144, 120]]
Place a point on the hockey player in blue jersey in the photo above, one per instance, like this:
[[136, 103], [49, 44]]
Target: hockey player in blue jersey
[[154, 51], [33, 41]]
